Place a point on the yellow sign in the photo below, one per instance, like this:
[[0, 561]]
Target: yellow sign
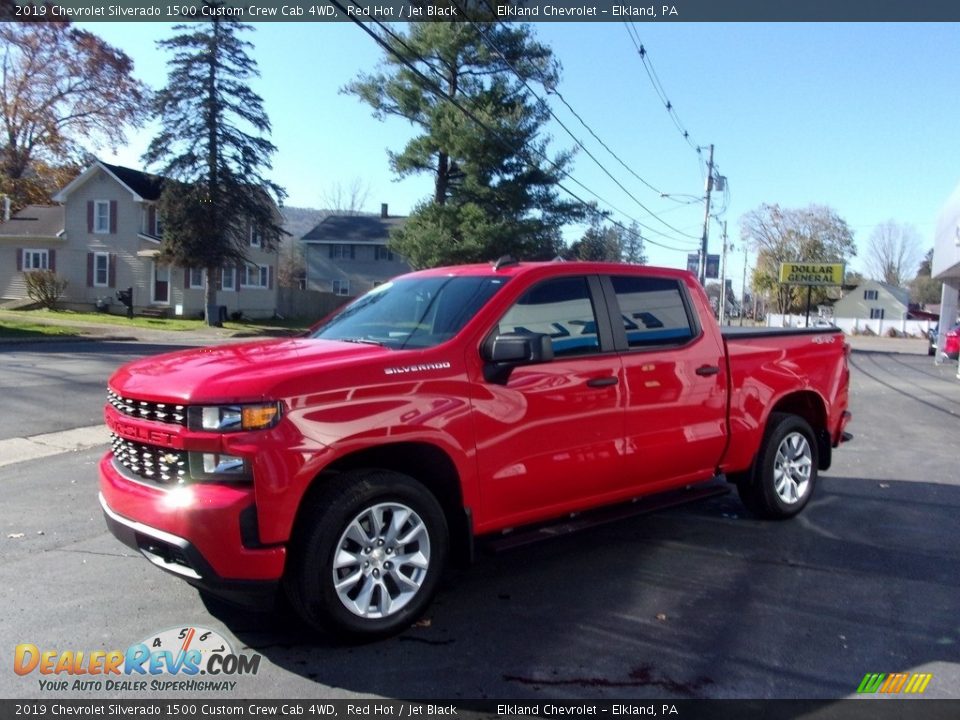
[[811, 273]]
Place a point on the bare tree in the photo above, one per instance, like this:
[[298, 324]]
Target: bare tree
[[341, 199], [813, 234], [893, 252]]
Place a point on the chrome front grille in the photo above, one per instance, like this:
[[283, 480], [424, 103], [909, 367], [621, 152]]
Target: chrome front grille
[[150, 462], [146, 410]]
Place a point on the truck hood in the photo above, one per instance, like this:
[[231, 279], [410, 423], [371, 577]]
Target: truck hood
[[234, 373]]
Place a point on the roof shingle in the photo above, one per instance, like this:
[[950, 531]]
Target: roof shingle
[[40, 221], [143, 184], [371, 229]]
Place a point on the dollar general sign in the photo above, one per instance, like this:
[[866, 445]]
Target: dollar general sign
[[811, 273]]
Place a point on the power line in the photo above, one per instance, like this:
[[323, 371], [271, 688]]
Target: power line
[[437, 90], [658, 86], [493, 46]]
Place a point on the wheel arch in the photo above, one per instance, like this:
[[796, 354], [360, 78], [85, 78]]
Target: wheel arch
[[809, 405], [425, 462]]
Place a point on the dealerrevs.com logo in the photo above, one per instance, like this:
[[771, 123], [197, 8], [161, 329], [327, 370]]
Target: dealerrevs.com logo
[[179, 659]]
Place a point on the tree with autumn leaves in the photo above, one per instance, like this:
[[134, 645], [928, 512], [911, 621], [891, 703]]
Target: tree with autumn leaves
[[815, 234], [63, 92]]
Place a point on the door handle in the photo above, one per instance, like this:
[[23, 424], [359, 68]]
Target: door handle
[[602, 381], [707, 370]]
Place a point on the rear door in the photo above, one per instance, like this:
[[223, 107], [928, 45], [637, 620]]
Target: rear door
[[552, 436], [675, 382]]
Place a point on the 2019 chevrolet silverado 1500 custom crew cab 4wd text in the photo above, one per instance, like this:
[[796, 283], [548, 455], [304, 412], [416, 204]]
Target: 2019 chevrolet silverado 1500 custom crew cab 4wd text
[[346, 466]]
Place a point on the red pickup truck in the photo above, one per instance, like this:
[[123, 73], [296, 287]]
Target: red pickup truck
[[347, 466]]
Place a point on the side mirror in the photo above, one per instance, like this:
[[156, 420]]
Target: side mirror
[[504, 352]]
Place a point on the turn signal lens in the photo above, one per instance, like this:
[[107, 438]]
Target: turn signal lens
[[258, 417]]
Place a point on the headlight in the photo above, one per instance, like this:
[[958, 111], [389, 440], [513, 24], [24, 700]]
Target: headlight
[[233, 418]]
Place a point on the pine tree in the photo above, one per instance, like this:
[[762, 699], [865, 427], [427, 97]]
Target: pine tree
[[212, 149], [632, 246], [494, 191]]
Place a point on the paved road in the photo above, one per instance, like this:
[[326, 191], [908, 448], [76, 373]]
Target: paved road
[[701, 601], [52, 386]]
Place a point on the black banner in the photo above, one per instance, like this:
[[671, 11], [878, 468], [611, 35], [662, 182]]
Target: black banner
[[859, 709], [642, 11]]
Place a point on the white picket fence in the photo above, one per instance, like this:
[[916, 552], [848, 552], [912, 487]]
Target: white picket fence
[[858, 326]]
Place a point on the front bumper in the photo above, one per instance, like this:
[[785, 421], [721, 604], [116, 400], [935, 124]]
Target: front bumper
[[199, 532]]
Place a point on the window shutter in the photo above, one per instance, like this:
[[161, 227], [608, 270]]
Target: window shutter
[[186, 278], [152, 220], [89, 216], [113, 216], [53, 260], [112, 270], [89, 269], [220, 273], [269, 277], [353, 253], [19, 259], [330, 251], [238, 279]]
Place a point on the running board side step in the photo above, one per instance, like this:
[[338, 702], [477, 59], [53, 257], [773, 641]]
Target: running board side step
[[603, 516]]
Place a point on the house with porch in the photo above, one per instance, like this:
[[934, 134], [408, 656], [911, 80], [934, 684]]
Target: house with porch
[[108, 239]]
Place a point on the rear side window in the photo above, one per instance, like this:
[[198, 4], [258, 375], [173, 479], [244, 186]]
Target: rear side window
[[560, 308], [653, 311]]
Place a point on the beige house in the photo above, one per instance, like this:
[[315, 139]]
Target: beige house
[[105, 237], [33, 239]]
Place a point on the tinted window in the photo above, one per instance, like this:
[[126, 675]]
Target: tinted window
[[412, 312], [559, 308], [653, 311]]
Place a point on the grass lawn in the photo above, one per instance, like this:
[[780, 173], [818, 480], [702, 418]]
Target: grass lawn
[[18, 329], [37, 317]]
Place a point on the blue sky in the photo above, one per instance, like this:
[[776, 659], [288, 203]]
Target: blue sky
[[860, 117]]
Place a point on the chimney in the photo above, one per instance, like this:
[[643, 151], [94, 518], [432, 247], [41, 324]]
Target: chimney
[[383, 211]]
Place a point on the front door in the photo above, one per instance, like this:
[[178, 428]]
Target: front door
[[552, 436], [161, 284]]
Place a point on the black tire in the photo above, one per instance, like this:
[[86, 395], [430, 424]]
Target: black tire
[[339, 514], [772, 489]]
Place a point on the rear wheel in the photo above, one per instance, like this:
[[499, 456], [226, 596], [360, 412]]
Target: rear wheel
[[368, 554], [785, 472]]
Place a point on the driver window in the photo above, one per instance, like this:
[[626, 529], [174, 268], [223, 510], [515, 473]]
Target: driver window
[[560, 308]]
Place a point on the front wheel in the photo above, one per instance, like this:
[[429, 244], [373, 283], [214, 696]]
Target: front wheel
[[368, 554], [785, 471]]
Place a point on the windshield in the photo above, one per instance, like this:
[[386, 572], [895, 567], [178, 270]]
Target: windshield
[[411, 312]]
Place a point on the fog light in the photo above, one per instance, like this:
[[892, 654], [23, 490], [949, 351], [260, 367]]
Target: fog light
[[214, 463], [218, 466]]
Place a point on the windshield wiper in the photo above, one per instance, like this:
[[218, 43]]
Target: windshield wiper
[[362, 341]]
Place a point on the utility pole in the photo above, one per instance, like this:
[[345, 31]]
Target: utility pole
[[743, 288], [723, 278], [706, 221]]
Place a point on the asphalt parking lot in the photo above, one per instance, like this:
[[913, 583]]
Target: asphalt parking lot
[[701, 601]]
